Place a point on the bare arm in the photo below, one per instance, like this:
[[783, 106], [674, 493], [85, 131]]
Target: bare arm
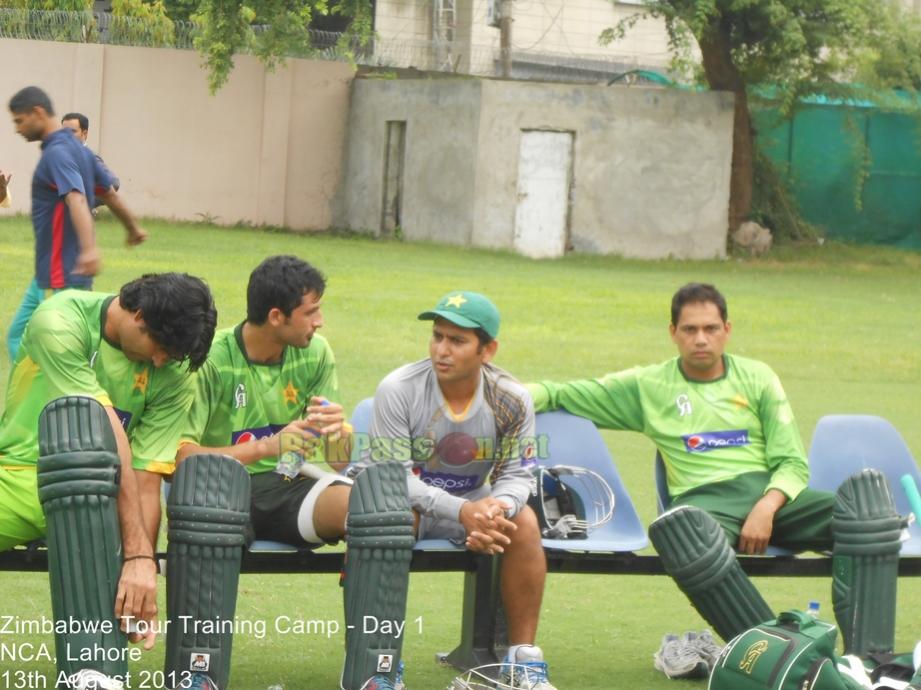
[[300, 435], [4, 184], [88, 261], [295, 436], [137, 586], [136, 234]]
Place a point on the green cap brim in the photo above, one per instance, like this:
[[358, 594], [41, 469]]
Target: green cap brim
[[451, 316]]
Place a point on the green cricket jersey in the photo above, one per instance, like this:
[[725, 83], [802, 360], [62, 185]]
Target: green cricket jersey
[[238, 400], [705, 431], [63, 352]]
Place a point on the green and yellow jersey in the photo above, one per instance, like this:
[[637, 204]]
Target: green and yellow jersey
[[237, 400], [706, 431], [64, 352]]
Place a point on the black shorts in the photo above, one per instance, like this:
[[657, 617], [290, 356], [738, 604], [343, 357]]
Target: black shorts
[[275, 504]]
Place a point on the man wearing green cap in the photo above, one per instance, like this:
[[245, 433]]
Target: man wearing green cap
[[464, 429]]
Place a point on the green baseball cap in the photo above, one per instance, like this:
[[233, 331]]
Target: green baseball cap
[[467, 310]]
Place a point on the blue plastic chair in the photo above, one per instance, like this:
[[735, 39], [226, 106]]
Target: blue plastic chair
[[572, 441], [845, 444], [664, 502], [361, 424]]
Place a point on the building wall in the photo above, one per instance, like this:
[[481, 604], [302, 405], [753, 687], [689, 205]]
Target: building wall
[[266, 149], [651, 166], [440, 160], [565, 28], [572, 27]]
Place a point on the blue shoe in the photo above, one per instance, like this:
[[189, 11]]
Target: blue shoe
[[527, 671], [384, 683], [198, 681]]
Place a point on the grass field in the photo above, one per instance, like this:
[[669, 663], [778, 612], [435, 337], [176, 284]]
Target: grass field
[[841, 326]]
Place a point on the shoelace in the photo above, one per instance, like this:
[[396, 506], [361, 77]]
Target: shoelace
[[678, 651], [540, 671]]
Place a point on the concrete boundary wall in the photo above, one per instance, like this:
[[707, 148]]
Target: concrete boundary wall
[[650, 167], [266, 149]]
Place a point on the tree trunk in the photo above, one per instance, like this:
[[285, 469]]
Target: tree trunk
[[722, 75]]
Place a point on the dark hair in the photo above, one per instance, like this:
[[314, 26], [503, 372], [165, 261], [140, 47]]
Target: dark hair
[[280, 282], [698, 292], [179, 313], [79, 117], [484, 337], [28, 98]]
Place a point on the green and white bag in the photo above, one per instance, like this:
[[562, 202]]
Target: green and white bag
[[793, 652]]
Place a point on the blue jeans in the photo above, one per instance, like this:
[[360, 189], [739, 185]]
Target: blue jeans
[[30, 301]]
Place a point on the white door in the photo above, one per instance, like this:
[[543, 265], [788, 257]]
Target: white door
[[544, 174]]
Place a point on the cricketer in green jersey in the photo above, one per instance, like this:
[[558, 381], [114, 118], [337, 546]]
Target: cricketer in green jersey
[[737, 474], [267, 388], [266, 395], [132, 352], [721, 423]]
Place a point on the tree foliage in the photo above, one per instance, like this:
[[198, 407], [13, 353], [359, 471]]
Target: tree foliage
[[270, 29], [135, 22], [787, 49], [55, 20]]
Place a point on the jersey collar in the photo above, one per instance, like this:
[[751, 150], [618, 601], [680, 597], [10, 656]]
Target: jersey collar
[[701, 381], [238, 336], [102, 320]]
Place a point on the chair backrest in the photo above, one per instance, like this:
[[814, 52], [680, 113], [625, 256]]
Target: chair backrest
[[663, 500], [572, 440], [569, 440], [845, 444], [361, 424]]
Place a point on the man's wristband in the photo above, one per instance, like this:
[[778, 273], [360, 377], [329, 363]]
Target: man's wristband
[[134, 558]]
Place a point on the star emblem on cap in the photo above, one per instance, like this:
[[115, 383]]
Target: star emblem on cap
[[456, 301]]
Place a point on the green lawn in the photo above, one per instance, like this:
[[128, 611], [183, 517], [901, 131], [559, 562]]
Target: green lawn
[[840, 325]]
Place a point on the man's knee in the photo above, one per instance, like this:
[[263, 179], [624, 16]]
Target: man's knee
[[528, 532], [330, 511], [526, 520]]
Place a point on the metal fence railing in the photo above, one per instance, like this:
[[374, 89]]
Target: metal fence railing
[[477, 60]]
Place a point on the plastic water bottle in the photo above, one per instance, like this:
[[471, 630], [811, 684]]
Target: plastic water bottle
[[291, 462], [813, 608]]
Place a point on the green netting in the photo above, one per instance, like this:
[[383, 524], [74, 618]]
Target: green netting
[[821, 153]]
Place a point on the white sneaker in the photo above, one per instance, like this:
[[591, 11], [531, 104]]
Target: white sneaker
[[704, 644], [678, 660], [527, 670], [89, 679]]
